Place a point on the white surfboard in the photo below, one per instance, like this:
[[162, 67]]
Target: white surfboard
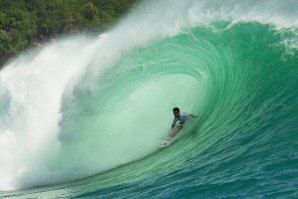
[[166, 142], [170, 137]]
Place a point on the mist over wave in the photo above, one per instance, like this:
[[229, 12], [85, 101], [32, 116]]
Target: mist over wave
[[82, 106]]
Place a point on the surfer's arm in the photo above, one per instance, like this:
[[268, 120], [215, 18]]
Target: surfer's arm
[[174, 123], [192, 116]]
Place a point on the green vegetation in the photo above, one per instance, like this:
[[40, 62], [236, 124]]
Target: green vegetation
[[25, 23]]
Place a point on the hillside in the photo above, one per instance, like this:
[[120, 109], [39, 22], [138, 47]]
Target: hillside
[[27, 23]]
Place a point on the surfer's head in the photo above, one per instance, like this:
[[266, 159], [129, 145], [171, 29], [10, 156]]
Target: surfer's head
[[176, 111]]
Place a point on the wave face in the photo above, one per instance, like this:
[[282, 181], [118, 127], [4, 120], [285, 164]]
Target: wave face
[[99, 107]]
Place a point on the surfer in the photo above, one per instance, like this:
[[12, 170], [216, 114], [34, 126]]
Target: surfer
[[177, 125], [179, 118]]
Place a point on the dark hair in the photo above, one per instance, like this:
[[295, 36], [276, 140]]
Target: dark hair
[[176, 109]]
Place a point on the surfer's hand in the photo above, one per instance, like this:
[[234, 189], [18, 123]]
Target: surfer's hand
[[193, 116]]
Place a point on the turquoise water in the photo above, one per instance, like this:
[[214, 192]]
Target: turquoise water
[[83, 118]]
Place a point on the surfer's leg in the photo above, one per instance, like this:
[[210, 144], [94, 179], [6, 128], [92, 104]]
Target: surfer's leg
[[178, 129]]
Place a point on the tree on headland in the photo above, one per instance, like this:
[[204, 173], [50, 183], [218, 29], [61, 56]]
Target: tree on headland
[[27, 23]]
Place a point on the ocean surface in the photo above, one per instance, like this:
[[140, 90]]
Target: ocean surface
[[83, 116]]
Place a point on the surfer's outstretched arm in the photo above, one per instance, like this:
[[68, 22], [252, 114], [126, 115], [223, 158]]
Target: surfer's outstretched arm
[[193, 116]]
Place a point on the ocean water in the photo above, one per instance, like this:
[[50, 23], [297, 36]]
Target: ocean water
[[83, 117]]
